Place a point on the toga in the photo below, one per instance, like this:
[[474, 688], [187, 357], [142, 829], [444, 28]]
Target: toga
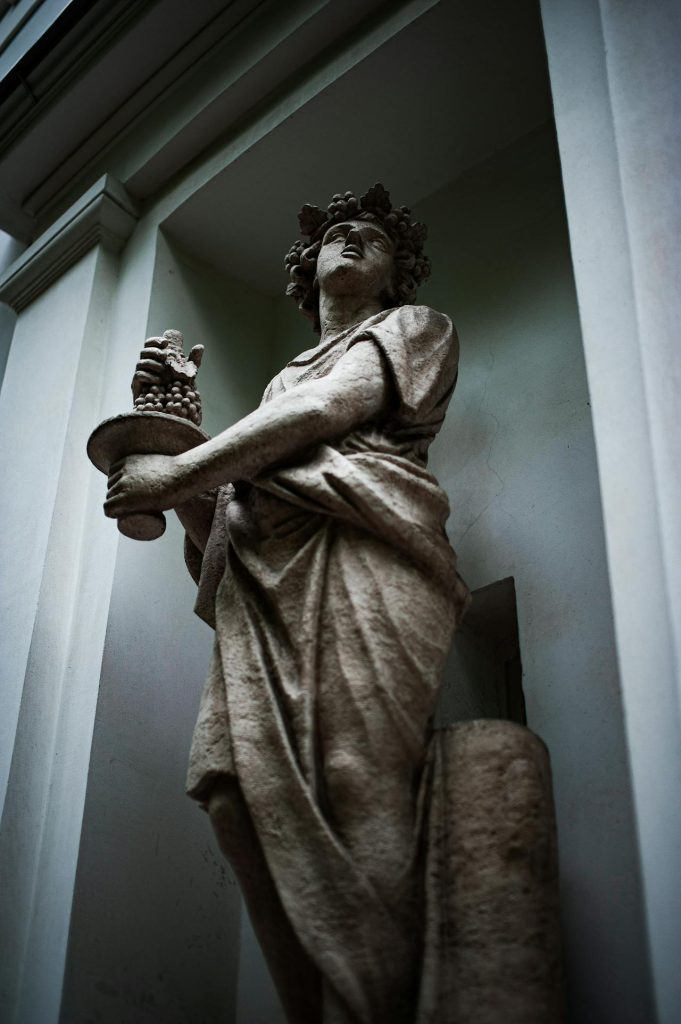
[[333, 592]]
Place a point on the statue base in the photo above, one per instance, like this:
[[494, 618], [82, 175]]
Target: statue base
[[142, 433]]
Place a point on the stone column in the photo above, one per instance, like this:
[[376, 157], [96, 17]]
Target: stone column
[[492, 952]]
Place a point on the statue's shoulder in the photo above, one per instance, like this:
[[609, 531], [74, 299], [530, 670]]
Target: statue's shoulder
[[425, 324], [424, 316]]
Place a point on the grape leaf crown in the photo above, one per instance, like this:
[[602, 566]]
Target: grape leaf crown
[[411, 265]]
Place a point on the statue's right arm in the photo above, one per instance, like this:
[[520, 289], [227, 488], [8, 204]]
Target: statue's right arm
[[358, 390]]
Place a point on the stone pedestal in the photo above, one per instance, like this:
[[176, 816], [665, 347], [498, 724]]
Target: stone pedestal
[[492, 951]]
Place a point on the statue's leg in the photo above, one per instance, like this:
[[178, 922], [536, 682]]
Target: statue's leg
[[296, 978], [372, 809], [386, 629], [372, 805], [370, 789]]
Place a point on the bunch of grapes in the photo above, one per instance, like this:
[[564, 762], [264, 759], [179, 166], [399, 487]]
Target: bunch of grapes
[[176, 398]]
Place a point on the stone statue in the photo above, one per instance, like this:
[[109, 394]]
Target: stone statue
[[317, 538]]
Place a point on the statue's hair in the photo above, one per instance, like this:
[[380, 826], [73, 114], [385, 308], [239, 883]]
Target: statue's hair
[[411, 266]]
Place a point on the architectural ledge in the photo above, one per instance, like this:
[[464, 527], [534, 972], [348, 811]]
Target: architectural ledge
[[105, 215]]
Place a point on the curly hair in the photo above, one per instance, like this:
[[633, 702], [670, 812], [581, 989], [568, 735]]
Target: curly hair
[[411, 266]]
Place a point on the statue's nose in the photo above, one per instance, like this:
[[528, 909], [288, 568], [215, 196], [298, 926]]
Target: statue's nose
[[354, 237]]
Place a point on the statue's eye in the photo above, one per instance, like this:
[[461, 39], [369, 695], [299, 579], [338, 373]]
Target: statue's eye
[[334, 236]]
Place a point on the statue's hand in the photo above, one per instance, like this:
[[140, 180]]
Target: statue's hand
[[143, 483], [149, 369]]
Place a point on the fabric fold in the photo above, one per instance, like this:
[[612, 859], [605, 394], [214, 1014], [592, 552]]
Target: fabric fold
[[334, 594]]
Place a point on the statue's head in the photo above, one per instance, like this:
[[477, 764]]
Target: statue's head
[[357, 244]]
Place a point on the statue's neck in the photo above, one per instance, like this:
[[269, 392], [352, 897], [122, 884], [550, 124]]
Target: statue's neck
[[337, 313]]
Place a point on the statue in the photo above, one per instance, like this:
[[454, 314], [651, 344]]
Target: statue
[[316, 536]]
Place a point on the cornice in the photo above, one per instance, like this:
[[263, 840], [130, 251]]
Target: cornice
[[104, 215]]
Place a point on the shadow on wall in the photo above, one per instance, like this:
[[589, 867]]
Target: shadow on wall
[[483, 675]]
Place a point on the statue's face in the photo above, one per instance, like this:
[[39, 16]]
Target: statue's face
[[356, 257]]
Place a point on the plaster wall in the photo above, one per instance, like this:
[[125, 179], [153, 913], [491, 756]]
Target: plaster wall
[[44, 688], [155, 925], [27, 499]]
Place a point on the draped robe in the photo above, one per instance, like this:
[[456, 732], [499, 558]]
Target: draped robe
[[333, 592]]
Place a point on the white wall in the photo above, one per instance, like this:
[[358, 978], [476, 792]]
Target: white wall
[[155, 927], [49, 584]]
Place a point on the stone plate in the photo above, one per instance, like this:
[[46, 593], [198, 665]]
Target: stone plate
[[142, 433]]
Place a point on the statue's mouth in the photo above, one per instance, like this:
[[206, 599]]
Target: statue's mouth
[[352, 250]]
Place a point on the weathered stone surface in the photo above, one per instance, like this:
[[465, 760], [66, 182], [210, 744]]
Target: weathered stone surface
[[165, 379], [317, 537], [492, 953], [141, 433]]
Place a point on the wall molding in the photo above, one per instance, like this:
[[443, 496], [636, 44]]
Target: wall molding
[[104, 215]]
